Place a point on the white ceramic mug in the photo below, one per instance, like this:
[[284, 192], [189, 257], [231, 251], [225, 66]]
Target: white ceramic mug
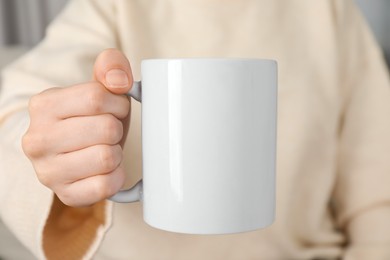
[[208, 144]]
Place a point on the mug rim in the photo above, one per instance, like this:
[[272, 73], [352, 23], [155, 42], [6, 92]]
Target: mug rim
[[208, 59]]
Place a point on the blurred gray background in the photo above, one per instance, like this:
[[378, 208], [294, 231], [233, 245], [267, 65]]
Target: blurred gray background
[[23, 23], [377, 13]]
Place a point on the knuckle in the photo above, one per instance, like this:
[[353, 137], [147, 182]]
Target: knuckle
[[45, 172], [112, 129], [110, 157], [33, 144], [40, 102], [107, 185], [35, 103], [67, 197], [101, 189], [26, 144], [73, 197], [95, 99], [126, 106], [45, 179]]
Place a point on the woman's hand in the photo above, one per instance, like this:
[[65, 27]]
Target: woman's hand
[[76, 133]]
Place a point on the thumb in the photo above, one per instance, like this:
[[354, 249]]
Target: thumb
[[112, 69]]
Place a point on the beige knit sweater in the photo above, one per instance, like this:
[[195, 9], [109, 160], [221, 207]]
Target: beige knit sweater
[[333, 178]]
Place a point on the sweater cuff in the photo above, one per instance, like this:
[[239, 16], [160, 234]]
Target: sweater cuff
[[24, 202]]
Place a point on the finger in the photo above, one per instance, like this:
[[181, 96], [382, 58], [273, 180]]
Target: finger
[[88, 191], [71, 167], [77, 133], [86, 99], [113, 70]]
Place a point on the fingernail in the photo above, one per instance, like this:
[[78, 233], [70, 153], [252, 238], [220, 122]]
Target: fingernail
[[117, 78]]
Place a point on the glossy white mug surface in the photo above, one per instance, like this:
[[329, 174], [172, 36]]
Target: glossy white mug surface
[[208, 144]]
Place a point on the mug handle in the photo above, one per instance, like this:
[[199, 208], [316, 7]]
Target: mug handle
[[134, 193]]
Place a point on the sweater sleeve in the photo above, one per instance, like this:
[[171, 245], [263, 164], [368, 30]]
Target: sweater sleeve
[[362, 193], [41, 222]]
